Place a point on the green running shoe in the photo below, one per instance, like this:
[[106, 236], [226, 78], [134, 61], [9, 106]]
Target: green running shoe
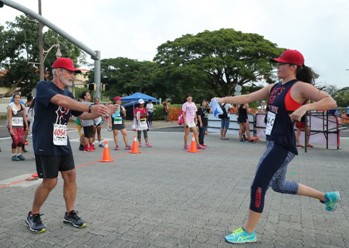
[[331, 200], [240, 236]]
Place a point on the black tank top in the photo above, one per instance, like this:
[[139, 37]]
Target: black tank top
[[242, 113], [283, 127]]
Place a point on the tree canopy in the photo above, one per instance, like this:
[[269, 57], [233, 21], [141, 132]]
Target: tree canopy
[[127, 76], [216, 61], [19, 52]]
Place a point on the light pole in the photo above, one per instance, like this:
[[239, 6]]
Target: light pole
[[58, 53], [95, 55], [41, 46]]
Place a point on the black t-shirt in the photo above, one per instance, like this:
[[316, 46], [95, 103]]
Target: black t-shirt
[[203, 112], [46, 115]]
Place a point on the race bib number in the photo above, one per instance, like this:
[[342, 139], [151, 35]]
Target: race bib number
[[117, 120], [60, 135], [17, 121], [270, 123], [143, 123]]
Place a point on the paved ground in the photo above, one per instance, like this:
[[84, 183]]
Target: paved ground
[[167, 197]]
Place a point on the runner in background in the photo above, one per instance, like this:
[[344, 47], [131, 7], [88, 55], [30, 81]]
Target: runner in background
[[97, 126]]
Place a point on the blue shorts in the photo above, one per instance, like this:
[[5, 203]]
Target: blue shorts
[[225, 123]]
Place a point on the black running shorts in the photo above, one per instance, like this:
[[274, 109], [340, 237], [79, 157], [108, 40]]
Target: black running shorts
[[48, 166]]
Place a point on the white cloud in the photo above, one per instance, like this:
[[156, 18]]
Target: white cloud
[[135, 28]]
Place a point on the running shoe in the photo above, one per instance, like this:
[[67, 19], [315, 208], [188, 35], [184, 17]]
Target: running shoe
[[81, 147], [140, 144], [74, 219], [186, 147], [21, 157], [101, 145], [34, 223], [148, 145], [15, 158], [240, 236], [331, 200], [87, 149], [201, 147], [117, 147], [128, 147], [92, 147]]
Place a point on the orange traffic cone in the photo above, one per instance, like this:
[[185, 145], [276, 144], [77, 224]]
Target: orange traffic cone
[[106, 153], [134, 149], [193, 145]]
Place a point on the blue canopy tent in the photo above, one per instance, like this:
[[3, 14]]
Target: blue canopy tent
[[132, 100], [136, 96]]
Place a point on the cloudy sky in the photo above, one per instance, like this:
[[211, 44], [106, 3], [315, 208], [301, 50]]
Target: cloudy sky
[[135, 28]]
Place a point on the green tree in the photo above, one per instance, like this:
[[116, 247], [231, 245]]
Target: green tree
[[126, 76], [19, 52], [342, 97], [213, 63]]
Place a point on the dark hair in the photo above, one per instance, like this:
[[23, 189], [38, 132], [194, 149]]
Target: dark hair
[[29, 98], [15, 94], [202, 102], [83, 94], [305, 74], [32, 105]]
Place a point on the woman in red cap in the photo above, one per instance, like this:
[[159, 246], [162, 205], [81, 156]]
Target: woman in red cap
[[285, 106]]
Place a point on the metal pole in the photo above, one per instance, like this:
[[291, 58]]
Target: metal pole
[[41, 46], [97, 74], [95, 55], [50, 25]]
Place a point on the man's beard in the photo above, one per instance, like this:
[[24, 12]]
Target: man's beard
[[65, 81]]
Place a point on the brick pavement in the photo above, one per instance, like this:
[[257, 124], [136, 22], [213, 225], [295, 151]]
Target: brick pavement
[[166, 197]]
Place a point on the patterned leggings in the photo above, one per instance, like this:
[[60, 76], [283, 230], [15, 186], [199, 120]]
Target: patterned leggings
[[271, 172], [17, 137]]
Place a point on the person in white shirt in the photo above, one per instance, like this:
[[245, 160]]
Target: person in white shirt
[[189, 115], [150, 110]]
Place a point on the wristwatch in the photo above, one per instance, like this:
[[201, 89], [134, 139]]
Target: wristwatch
[[90, 108]]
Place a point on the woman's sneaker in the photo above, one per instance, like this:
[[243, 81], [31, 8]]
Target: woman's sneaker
[[34, 223], [117, 147], [240, 236], [128, 147], [148, 145], [201, 147], [74, 219], [331, 200], [15, 158], [21, 157]]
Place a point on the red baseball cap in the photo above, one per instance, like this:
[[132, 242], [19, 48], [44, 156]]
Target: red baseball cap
[[65, 63], [291, 57], [117, 98]]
